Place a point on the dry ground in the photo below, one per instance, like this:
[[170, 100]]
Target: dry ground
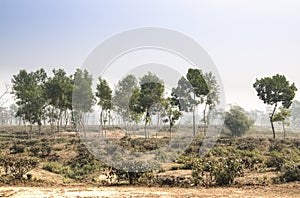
[[284, 190]]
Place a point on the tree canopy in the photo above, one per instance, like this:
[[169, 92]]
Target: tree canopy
[[274, 91]]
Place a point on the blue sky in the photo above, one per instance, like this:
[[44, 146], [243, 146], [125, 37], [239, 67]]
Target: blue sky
[[245, 39]]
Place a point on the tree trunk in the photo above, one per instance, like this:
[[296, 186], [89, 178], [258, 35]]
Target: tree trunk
[[100, 126], [194, 122], [204, 119], [273, 130], [271, 120], [283, 127]]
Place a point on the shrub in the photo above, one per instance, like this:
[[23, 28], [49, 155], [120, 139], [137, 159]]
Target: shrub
[[276, 160], [17, 166], [132, 171], [227, 170], [291, 172], [221, 172], [41, 151], [17, 149]]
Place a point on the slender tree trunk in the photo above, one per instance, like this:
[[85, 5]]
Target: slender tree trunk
[[194, 121], [283, 127], [271, 120], [100, 126], [273, 130], [204, 119]]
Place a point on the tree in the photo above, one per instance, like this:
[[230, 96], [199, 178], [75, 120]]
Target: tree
[[274, 91], [122, 95], [28, 89], [182, 94], [237, 121], [282, 116], [211, 99], [83, 97], [58, 90], [135, 108], [171, 113], [151, 93], [199, 89], [104, 95]]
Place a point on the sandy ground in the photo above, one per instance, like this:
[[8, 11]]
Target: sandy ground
[[286, 190]]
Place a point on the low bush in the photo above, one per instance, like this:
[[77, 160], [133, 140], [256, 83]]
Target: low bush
[[219, 172], [17, 148], [17, 167], [290, 173], [276, 160]]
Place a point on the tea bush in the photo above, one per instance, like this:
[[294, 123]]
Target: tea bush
[[15, 166], [219, 172], [291, 172]]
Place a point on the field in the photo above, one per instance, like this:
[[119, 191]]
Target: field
[[59, 165]]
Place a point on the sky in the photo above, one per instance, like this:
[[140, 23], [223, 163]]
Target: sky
[[245, 39]]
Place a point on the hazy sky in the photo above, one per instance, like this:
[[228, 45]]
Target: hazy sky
[[245, 39]]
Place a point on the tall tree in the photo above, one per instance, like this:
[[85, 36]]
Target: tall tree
[[151, 93], [28, 89], [199, 89], [122, 95], [104, 95], [171, 113], [182, 94], [58, 90], [83, 97], [211, 99], [274, 91], [136, 110]]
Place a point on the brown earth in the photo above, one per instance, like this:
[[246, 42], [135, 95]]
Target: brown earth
[[284, 190]]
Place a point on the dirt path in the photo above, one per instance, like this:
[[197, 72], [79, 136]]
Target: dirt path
[[286, 190]]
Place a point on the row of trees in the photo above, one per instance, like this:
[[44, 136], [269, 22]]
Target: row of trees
[[136, 101], [61, 99]]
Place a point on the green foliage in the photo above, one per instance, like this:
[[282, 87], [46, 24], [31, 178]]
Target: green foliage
[[273, 91], [276, 160], [83, 98], [104, 94], [198, 82], [171, 113], [58, 91], [290, 172], [40, 151], [150, 94], [237, 121], [219, 172], [132, 171], [16, 167], [28, 89], [122, 96], [17, 148], [182, 94]]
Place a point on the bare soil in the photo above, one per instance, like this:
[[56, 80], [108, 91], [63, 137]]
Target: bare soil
[[284, 190]]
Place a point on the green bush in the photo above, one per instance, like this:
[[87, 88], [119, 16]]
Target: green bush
[[276, 160], [227, 170], [291, 172], [17, 148], [220, 172], [40, 151], [132, 171], [16, 167]]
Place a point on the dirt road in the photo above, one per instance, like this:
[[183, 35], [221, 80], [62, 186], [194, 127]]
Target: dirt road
[[286, 190]]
